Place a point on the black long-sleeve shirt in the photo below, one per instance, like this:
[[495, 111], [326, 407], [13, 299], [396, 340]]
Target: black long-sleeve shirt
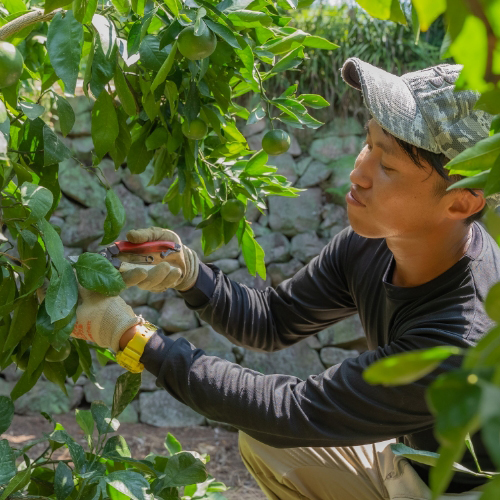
[[337, 407]]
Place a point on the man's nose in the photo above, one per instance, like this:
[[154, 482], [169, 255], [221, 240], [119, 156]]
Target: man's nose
[[360, 174]]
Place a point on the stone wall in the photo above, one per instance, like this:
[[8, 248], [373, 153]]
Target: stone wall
[[292, 232]]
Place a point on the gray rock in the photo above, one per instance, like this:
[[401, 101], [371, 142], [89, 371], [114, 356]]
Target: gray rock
[[81, 104], [281, 272], [295, 149], [148, 313], [227, 265], [315, 173], [341, 127], [342, 168], [298, 360], [333, 215], [191, 237], [138, 184], [83, 227], [56, 221], [330, 148], [333, 355], [148, 382], [160, 409], [305, 246], [253, 213], [163, 217], [264, 221], [65, 208], [243, 276], [72, 252], [135, 297], [285, 165], [113, 175], [156, 300], [12, 373], [6, 387], [255, 141], [210, 341], [81, 185], [343, 333], [82, 126], [276, 247], [82, 147], [176, 317], [302, 164], [254, 128], [261, 229], [77, 397], [44, 396], [135, 210], [291, 216]]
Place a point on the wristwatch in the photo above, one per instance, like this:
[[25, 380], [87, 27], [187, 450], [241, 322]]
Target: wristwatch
[[130, 357]]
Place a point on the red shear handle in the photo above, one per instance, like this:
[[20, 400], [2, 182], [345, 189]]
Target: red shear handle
[[146, 248]]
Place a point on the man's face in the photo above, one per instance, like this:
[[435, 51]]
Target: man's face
[[399, 197]]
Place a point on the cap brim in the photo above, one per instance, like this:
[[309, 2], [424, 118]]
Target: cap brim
[[390, 102]]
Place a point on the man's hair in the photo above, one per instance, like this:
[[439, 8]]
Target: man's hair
[[437, 161]]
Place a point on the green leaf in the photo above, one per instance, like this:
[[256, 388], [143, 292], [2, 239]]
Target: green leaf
[[40, 344], [481, 156], [428, 11], [126, 388], [122, 6], [249, 18], [84, 10], [64, 46], [157, 139], [256, 162], [96, 273], [102, 418], [7, 462], [124, 93], [18, 482], [37, 198], [85, 420], [492, 184], [129, 483], [313, 101], [105, 127], [172, 444], [317, 42], [6, 413], [53, 244], [14, 6], [492, 489], [139, 156], [183, 468], [291, 60], [252, 252], [477, 181], [116, 446], [24, 318], [76, 452], [115, 218], [151, 56], [407, 367], [51, 5], [63, 481], [66, 115], [165, 68], [55, 150], [123, 142], [31, 110], [492, 302], [225, 33], [62, 294]]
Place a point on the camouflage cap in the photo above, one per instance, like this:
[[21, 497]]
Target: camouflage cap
[[422, 107]]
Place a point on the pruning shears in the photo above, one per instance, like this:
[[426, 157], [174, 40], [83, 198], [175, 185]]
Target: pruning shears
[[149, 253]]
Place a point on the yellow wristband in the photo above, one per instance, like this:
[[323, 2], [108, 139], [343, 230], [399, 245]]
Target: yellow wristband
[[130, 357]]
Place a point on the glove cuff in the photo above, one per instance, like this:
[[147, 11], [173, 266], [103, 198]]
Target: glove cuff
[[115, 322], [192, 263]]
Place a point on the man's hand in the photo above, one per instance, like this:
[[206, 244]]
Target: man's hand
[[102, 319], [180, 272]]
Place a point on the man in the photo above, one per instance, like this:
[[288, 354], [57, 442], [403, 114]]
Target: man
[[413, 264]]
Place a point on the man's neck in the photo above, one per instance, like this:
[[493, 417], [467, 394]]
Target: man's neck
[[420, 260]]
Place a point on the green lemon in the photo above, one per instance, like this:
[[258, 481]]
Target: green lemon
[[54, 356], [196, 47], [232, 210], [11, 64], [197, 129], [276, 142]]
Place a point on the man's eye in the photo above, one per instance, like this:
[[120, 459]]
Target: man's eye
[[385, 168]]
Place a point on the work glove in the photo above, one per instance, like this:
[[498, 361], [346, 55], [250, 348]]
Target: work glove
[[180, 271], [101, 319]]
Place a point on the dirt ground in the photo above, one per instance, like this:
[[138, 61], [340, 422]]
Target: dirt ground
[[222, 446]]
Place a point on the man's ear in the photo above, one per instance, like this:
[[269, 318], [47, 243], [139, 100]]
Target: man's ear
[[464, 203]]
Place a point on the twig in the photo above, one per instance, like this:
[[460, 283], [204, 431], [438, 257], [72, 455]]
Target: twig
[[21, 22]]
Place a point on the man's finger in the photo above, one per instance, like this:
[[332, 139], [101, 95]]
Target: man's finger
[[156, 275], [132, 275]]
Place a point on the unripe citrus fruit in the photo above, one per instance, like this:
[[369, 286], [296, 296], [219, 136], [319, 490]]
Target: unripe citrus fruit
[[232, 210], [276, 142], [54, 356], [11, 64], [196, 47], [196, 130]]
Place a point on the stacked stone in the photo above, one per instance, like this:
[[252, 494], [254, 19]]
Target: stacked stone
[[292, 232]]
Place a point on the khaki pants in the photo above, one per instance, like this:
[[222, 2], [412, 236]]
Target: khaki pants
[[369, 472]]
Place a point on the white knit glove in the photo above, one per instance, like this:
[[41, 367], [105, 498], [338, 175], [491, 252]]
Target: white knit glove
[[180, 272], [102, 320]]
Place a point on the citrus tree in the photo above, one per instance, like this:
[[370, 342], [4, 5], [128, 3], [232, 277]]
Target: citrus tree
[[465, 401], [165, 77]]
